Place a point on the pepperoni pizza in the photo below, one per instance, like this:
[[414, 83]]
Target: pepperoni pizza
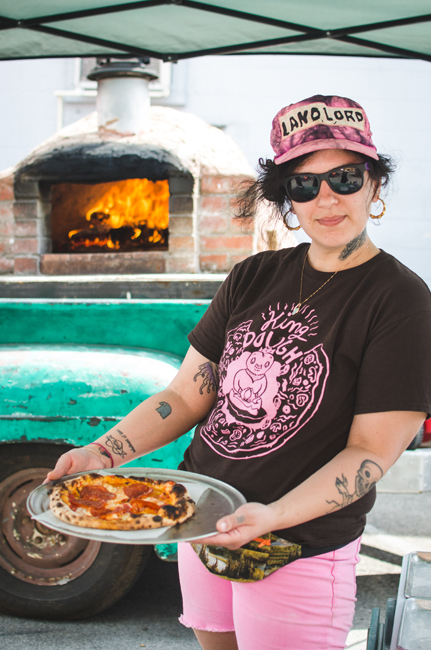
[[119, 502]]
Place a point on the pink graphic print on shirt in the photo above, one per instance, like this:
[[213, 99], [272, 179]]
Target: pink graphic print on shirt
[[272, 381]]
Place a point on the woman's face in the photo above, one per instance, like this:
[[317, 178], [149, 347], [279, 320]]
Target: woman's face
[[332, 220]]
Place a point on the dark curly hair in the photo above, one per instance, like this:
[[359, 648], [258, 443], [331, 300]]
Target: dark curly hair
[[268, 187]]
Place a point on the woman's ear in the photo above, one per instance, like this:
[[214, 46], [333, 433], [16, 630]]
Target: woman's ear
[[376, 193]]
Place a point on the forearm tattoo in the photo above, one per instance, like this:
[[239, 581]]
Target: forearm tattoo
[[129, 444], [353, 245], [366, 478], [116, 445], [164, 409], [102, 452], [210, 377]]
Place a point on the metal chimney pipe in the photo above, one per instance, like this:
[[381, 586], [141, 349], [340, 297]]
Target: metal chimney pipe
[[123, 98]]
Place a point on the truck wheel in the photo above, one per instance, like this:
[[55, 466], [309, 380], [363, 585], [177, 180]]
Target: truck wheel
[[43, 573]]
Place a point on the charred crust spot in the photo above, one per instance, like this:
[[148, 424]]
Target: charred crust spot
[[135, 516], [49, 491], [94, 475], [178, 490], [157, 518], [59, 504], [171, 511]]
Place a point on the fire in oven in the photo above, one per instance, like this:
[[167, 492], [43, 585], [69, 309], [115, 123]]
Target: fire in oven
[[122, 216]]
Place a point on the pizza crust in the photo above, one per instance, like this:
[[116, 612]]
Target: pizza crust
[[178, 508]]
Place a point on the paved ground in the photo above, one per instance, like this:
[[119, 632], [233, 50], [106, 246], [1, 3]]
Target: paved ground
[[398, 524], [147, 616]]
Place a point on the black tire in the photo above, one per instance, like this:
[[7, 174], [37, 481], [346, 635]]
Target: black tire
[[84, 577]]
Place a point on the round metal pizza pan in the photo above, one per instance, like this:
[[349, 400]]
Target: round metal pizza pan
[[215, 499]]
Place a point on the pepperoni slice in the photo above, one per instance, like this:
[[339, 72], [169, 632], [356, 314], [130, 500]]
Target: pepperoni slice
[[102, 513], [137, 490], [138, 505], [86, 503], [96, 492], [99, 512]]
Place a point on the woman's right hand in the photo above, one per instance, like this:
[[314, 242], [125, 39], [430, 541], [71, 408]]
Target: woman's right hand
[[77, 460]]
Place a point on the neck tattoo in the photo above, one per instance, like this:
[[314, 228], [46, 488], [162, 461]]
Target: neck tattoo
[[353, 245], [301, 302]]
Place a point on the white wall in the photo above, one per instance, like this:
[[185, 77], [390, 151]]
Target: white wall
[[241, 94], [28, 106]]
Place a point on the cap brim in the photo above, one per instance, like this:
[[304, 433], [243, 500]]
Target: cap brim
[[332, 143]]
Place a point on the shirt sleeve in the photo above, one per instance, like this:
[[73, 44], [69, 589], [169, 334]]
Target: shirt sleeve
[[395, 373]]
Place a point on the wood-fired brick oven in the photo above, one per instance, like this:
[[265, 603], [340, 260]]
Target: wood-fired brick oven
[[126, 196]]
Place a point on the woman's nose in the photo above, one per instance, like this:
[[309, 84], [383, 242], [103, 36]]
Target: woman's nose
[[326, 195]]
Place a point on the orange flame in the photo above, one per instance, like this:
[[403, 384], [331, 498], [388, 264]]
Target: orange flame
[[136, 205]]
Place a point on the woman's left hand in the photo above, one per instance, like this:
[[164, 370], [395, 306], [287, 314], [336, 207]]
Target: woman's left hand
[[249, 521]]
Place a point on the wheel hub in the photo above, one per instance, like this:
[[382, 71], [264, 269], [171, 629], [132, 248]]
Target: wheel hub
[[31, 551]]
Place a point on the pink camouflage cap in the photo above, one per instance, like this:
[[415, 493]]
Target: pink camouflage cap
[[321, 122]]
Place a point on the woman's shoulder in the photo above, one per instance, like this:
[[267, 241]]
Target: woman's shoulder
[[264, 260], [395, 281], [397, 272]]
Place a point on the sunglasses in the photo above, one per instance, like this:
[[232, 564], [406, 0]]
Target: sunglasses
[[342, 180]]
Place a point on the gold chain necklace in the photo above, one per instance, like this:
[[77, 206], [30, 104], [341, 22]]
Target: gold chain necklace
[[297, 307]]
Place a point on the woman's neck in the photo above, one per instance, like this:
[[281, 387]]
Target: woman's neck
[[356, 252]]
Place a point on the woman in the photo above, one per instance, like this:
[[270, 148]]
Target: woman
[[308, 378]]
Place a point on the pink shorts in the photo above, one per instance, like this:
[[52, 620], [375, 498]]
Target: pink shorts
[[306, 605]]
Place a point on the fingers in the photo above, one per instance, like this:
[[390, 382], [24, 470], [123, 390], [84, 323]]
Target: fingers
[[246, 523], [230, 522], [76, 460], [62, 468]]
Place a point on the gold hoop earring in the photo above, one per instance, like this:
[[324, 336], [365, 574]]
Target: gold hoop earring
[[379, 216], [285, 218]]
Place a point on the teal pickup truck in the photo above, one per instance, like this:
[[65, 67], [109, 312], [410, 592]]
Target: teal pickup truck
[[70, 369]]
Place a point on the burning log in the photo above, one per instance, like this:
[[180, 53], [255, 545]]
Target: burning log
[[124, 216]]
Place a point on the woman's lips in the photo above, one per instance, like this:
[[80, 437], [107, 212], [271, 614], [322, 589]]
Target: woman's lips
[[331, 221]]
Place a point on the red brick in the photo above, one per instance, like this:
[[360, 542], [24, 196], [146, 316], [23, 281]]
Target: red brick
[[214, 205], [6, 211], [238, 258], [181, 244], [25, 209], [180, 225], [6, 228], [88, 264], [236, 242], [213, 224], [220, 184], [180, 205], [6, 189], [184, 264], [26, 228], [6, 265], [240, 226], [25, 246], [26, 265], [213, 263], [5, 247]]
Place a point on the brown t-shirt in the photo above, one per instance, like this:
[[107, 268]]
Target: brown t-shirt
[[290, 384]]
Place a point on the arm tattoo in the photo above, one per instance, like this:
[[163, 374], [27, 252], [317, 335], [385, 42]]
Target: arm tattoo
[[123, 435], [353, 245], [116, 446], [104, 453], [209, 373], [366, 478], [164, 410]]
